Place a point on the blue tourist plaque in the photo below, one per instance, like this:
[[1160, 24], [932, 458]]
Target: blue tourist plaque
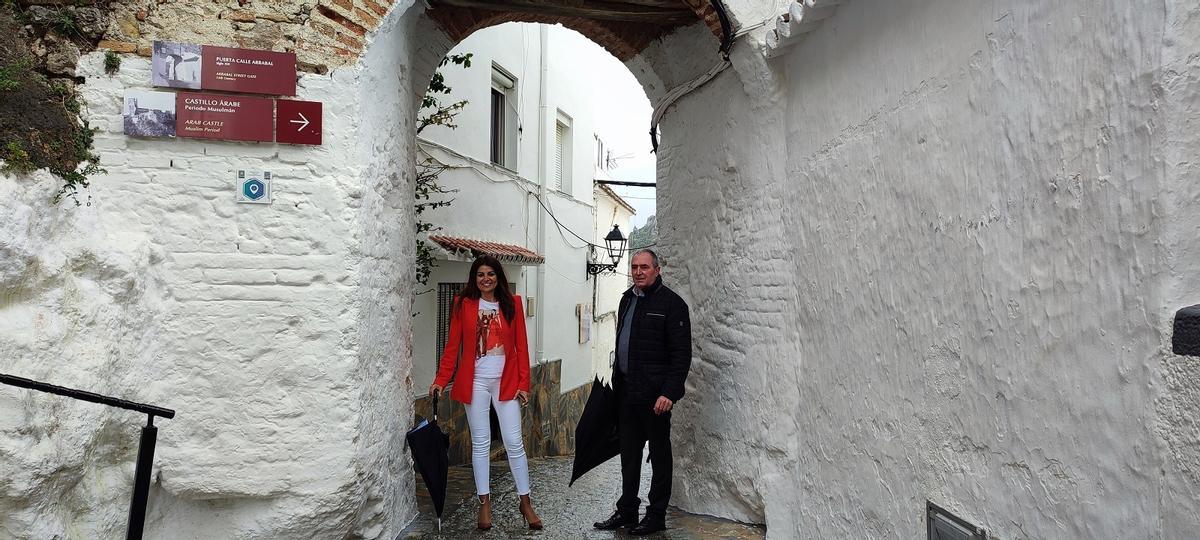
[[254, 187]]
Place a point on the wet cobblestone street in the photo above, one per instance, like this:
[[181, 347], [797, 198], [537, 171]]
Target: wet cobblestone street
[[567, 512]]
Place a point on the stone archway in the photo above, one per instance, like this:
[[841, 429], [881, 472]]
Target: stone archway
[[672, 60], [693, 158]]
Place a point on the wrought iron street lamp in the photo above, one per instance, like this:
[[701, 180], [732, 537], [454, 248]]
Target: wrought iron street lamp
[[615, 244]]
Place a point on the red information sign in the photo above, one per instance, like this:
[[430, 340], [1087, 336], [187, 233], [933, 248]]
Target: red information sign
[[216, 116], [298, 122], [248, 70]]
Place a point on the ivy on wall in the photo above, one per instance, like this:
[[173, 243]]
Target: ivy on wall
[[41, 126], [428, 193]]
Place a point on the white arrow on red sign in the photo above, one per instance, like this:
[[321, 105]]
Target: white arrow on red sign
[[302, 121]]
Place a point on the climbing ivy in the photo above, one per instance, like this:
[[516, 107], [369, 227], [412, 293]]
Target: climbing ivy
[[427, 192], [40, 119]]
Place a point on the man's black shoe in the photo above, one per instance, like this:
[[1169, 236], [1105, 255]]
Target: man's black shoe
[[617, 521], [649, 525]]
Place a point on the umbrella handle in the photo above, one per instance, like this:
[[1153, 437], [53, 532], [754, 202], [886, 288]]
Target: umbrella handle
[[435, 405]]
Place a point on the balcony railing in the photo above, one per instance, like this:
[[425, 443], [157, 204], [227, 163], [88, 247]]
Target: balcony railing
[[145, 459]]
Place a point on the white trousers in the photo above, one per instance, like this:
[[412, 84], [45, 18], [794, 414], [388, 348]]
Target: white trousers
[[487, 392]]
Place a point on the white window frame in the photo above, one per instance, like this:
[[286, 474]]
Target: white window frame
[[563, 170], [504, 90]]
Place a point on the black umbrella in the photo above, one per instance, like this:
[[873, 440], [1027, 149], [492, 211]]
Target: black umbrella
[[429, 450], [596, 437]]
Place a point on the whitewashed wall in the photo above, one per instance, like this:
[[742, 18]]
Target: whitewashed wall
[[932, 254], [271, 330]]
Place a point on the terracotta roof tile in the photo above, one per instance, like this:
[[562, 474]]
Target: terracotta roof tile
[[475, 248]]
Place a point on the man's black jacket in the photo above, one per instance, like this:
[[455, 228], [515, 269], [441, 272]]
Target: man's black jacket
[[660, 345]]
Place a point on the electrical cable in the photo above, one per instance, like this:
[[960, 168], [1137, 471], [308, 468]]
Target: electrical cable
[[727, 35], [727, 39], [476, 170], [679, 91]]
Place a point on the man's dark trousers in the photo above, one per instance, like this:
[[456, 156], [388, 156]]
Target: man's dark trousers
[[639, 424]]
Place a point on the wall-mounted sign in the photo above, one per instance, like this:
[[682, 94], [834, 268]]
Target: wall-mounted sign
[[298, 122], [207, 67], [248, 70], [253, 187], [216, 116]]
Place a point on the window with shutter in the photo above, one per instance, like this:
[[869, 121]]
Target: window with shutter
[[497, 127], [559, 138]]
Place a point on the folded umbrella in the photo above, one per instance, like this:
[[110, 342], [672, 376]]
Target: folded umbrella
[[596, 437], [429, 448]]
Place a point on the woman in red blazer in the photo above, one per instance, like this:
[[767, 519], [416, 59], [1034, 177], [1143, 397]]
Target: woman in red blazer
[[489, 346]]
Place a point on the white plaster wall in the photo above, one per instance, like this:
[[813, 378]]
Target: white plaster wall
[[272, 330], [1178, 401], [515, 48], [610, 285], [566, 286], [932, 253]]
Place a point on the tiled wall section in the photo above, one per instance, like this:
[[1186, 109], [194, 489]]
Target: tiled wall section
[[549, 421]]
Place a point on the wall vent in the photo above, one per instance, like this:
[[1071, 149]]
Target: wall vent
[[946, 526]]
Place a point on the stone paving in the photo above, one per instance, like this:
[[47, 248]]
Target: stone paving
[[566, 512]]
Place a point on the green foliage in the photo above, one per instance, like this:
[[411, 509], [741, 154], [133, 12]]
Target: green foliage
[[76, 178], [41, 126], [427, 195], [12, 74], [64, 21], [442, 114], [16, 159], [112, 62], [69, 100], [426, 191]]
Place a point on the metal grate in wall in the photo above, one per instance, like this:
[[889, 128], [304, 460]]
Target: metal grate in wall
[[445, 297], [946, 526]]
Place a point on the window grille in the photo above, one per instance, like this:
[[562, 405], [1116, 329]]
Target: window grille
[[445, 299]]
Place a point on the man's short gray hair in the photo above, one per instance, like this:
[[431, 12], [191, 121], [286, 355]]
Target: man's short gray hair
[[652, 254]]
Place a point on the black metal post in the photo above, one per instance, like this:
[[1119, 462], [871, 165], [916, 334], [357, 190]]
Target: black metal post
[[145, 459], [141, 482]]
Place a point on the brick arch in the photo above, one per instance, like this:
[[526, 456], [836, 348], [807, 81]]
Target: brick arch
[[623, 39]]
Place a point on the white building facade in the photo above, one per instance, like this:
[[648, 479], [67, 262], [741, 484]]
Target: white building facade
[[521, 164]]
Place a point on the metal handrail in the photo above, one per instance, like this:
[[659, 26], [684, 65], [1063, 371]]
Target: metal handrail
[[86, 396], [145, 459]]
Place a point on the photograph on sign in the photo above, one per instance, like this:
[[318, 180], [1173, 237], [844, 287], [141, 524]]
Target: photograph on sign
[[177, 65], [149, 114], [254, 187], [248, 70], [218, 116]]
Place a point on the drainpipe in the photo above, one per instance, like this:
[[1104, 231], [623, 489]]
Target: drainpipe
[[543, 169]]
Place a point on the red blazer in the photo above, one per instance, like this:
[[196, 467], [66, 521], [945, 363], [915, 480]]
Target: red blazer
[[460, 350]]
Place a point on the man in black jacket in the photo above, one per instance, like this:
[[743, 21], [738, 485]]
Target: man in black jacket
[[654, 352]]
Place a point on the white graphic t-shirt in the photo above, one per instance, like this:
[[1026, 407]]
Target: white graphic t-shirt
[[489, 347]]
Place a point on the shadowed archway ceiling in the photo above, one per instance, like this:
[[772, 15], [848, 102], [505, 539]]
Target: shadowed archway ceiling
[[624, 27]]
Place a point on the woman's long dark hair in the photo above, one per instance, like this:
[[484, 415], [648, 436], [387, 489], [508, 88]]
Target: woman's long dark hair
[[503, 296]]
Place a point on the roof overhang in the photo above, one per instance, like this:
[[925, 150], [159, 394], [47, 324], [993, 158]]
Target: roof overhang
[[467, 250]]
